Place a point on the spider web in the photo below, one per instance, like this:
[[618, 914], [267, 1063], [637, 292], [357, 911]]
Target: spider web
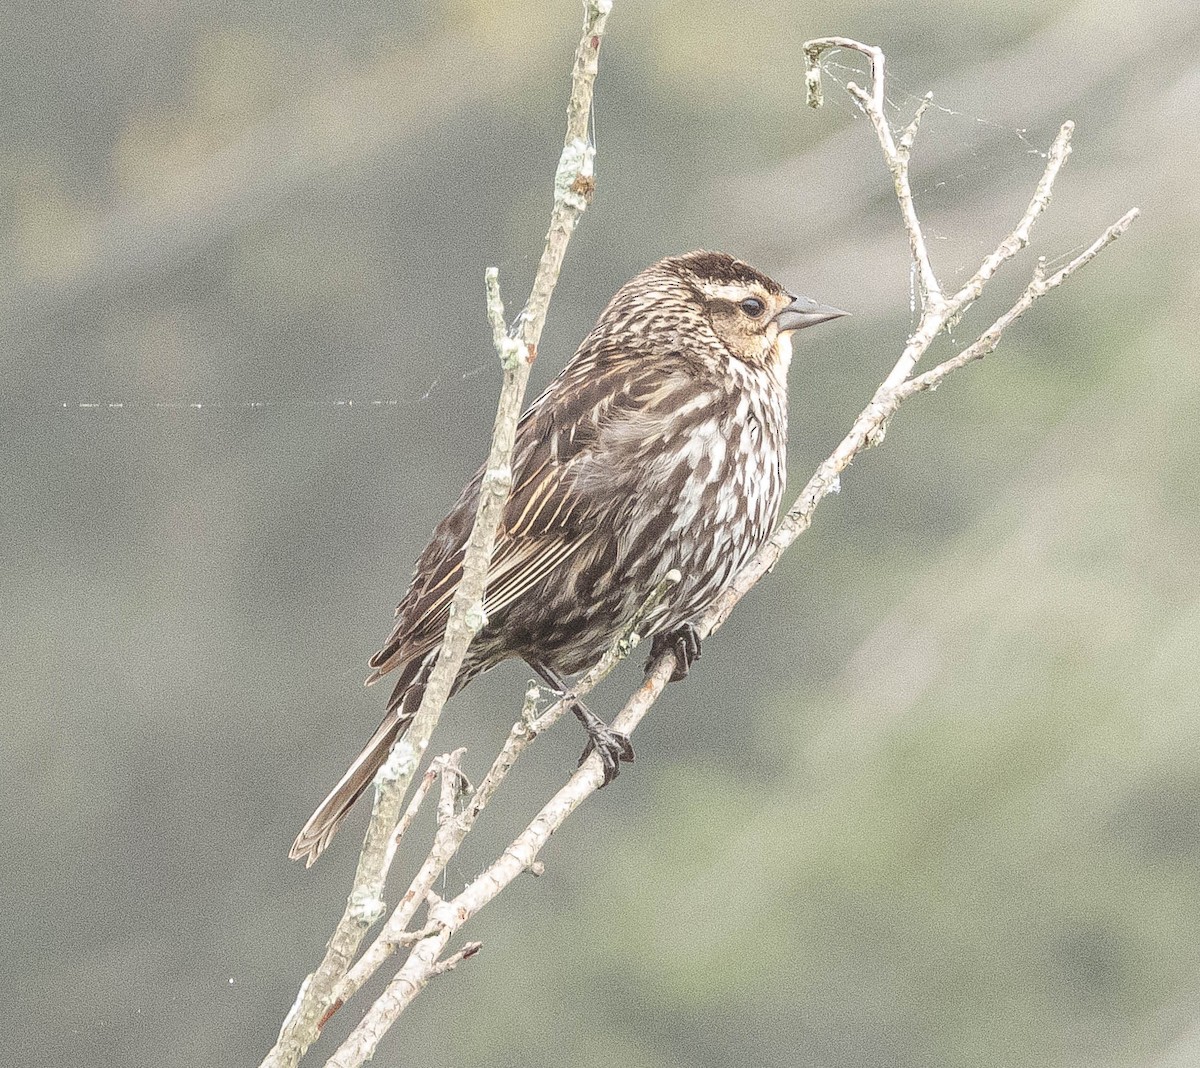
[[977, 161], [983, 153], [442, 385]]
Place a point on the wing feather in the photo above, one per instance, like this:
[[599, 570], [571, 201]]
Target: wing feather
[[563, 479]]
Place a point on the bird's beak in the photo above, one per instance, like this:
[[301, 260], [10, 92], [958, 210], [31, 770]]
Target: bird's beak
[[803, 312]]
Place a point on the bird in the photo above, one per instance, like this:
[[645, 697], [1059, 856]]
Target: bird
[[660, 446]]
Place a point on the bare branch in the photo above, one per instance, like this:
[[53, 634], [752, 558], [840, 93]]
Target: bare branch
[[452, 962], [1019, 238], [410, 814], [813, 51], [895, 156], [1038, 287], [910, 131], [453, 788]]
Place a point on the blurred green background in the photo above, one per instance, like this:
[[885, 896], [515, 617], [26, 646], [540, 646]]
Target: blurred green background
[[933, 795]]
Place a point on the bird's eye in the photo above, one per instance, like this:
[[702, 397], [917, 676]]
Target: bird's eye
[[753, 307]]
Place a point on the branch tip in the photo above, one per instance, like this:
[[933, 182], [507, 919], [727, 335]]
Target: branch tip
[[910, 131]]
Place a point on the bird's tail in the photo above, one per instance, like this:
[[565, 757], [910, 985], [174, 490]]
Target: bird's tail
[[310, 843], [402, 706]]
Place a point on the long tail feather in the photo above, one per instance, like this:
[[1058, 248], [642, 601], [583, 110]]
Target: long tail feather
[[402, 707], [311, 841]]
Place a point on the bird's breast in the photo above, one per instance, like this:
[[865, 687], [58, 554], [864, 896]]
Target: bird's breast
[[709, 495]]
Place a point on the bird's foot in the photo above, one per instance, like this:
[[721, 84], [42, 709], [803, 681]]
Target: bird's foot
[[684, 641], [612, 746]]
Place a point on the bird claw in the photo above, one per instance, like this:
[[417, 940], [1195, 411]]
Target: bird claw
[[684, 642], [613, 747]]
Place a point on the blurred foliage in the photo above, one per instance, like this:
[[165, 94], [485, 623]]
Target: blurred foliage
[[932, 797]]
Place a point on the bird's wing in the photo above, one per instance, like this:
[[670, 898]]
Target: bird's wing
[[550, 514]]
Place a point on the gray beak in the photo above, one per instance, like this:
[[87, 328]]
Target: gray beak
[[803, 312]]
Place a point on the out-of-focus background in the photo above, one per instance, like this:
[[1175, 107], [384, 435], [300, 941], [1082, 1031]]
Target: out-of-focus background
[[933, 795]]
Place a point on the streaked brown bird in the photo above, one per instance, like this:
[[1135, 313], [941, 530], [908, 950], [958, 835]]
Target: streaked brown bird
[[660, 445]]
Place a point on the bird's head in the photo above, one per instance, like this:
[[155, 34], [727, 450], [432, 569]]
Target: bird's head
[[750, 314]]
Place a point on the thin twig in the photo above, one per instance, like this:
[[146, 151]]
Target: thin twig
[[1038, 287], [410, 814], [895, 156], [1019, 238], [452, 962], [937, 312]]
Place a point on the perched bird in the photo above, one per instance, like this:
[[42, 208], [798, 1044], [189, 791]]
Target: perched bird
[[660, 445]]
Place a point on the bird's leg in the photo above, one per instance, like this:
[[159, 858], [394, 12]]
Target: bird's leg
[[613, 746], [684, 641]]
